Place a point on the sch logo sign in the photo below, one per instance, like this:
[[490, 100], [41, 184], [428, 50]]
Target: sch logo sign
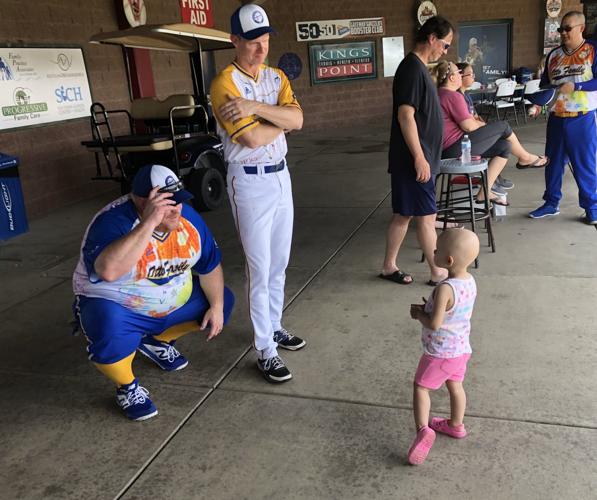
[[68, 94]]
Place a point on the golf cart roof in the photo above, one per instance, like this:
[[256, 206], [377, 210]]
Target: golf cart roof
[[180, 37]]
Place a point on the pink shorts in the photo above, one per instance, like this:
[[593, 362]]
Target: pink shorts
[[432, 372]]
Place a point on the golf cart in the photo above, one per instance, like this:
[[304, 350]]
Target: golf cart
[[176, 132]]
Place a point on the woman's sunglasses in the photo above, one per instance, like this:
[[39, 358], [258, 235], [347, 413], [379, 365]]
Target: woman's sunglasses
[[567, 29]]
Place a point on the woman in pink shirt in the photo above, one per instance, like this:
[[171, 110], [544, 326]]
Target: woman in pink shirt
[[494, 140]]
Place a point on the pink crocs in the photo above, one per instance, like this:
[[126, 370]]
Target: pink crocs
[[441, 425], [422, 444]]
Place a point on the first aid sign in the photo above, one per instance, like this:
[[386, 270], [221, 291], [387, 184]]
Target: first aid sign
[[197, 12]]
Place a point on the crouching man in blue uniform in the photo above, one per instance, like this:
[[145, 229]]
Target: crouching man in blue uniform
[[572, 124], [149, 272]]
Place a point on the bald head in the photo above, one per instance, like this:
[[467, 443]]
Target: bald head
[[575, 16], [461, 245]]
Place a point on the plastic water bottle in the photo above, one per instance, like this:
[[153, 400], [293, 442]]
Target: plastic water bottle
[[465, 155], [514, 78]]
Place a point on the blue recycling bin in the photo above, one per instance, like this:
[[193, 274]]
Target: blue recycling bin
[[13, 218]]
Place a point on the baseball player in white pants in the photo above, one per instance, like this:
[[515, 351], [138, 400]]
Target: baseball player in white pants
[[254, 105]]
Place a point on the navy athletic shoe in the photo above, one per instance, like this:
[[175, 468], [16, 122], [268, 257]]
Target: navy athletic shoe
[[274, 370], [163, 354], [498, 189], [591, 217], [503, 182], [545, 210], [134, 401], [286, 340]]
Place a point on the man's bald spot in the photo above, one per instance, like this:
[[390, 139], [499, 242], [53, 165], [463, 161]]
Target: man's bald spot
[[577, 16]]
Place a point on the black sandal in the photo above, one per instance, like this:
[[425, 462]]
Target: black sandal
[[397, 277]]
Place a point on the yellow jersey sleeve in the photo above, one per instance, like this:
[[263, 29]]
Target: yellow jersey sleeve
[[222, 86], [286, 96]]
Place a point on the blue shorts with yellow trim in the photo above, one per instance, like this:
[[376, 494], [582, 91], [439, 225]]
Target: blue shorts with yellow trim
[[114, 332]]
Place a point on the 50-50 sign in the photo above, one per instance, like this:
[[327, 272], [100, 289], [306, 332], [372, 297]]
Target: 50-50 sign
[[339, 28]]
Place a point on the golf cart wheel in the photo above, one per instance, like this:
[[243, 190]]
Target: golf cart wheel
[[208, 188]]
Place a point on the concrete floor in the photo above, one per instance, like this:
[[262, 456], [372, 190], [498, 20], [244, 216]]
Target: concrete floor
[[341, 428]]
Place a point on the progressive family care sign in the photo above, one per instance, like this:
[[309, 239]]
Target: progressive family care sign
[[342, 62], [42, 85]]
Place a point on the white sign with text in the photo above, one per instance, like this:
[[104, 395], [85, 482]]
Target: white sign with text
[[340, 28], [42, 85]]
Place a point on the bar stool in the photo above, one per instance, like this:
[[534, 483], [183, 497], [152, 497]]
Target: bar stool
[[457, 204]]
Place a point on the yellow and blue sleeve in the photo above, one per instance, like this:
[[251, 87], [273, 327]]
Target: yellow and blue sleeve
[[222, 89]]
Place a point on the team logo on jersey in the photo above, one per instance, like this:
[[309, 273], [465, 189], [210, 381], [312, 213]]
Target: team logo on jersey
[[257, 17], [248, 91]]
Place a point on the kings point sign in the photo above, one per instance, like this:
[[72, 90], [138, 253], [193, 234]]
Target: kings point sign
[[342, 62]]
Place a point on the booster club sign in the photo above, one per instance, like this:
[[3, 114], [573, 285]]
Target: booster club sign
[[342, 62], [197, 12]]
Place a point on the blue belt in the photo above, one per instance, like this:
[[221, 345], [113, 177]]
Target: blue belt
[[267, 169]]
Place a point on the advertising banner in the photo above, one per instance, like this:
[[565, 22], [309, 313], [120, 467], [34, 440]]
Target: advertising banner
[[342, 62], [197, 12], [340, 28], [42, 85], [486, 46]]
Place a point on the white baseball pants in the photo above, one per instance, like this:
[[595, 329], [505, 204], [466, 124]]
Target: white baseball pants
[[263, 211]]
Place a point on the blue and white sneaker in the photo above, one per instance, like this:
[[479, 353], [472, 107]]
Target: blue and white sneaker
[[163, 354], [134, 401], [545, 210], [591, 217], [286, 340]]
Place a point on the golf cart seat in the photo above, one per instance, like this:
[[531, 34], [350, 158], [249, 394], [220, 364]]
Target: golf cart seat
[[131, 143], [167, 120]]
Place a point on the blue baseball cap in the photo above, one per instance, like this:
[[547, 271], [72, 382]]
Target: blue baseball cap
[[152, 176], [249, 22]]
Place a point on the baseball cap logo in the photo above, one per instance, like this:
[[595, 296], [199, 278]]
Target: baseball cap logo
[[257, 17], [170, 181]]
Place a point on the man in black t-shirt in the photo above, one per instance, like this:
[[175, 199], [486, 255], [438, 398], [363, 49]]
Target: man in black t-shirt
[[415, 149]]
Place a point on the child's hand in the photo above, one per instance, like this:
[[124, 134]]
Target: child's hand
[[416, 310]]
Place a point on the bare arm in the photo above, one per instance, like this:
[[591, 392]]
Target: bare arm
[[283, 117], [274, 119], [408, 126], [262, 134], [470, 124], [120, 256], [443, 300], [212, 285]]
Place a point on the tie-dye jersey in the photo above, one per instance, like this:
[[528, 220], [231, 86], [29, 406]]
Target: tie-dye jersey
[[452, 338], [580, 68], [161, 281]]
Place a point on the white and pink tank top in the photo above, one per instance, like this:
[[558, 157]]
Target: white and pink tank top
[[452, 338]]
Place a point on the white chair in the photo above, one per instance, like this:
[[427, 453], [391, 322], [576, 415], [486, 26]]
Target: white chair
[[504, 99], [499, 81], [475, 86], [530, 87]]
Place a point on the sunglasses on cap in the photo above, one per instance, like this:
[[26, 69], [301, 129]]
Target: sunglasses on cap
[[172, 188], [567, 29]]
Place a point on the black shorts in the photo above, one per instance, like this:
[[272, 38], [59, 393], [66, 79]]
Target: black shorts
[[412, 198]]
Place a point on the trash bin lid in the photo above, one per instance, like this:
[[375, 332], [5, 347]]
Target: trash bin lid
[[7, 161]]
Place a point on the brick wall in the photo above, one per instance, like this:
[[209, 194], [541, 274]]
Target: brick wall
[[56, 170]]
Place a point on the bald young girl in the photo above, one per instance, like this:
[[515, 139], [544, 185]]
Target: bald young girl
[[446, 320]]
